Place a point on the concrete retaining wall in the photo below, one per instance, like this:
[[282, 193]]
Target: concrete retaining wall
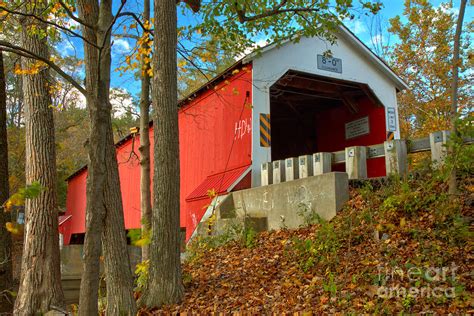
[[282, 205], [71, 269]]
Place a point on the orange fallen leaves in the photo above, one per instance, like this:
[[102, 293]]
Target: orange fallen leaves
[[267, 278]]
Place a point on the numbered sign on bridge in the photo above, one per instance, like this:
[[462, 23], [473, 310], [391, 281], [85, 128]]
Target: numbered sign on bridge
[[330, 64]]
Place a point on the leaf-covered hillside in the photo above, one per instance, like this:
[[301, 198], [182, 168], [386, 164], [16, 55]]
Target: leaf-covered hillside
[[390, 238]]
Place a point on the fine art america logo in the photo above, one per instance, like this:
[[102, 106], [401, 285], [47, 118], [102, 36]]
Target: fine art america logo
[[423, 282]]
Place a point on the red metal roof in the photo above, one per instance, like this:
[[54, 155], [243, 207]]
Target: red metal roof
[[63, 219], [221, 183]]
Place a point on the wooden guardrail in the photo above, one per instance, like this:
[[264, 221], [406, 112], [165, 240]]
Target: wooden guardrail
[[395, 153]]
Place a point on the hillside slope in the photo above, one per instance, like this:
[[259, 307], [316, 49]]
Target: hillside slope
[[402, 246]]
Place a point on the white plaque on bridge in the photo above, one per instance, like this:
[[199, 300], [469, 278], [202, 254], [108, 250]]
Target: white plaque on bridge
[[357, 128]]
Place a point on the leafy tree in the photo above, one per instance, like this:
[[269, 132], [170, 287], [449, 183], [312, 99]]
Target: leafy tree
[[239, 23], [40, 282], [454, 93], [104, 211], [423, 56], [200, 64]]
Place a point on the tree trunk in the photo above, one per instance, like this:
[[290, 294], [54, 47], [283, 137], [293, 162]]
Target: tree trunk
[[40, 283], [145, 183], [5, 237], [105, 226], [454, 95], [164, 282]]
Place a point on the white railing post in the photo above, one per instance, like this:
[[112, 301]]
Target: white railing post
[[356, 162], [266, 173], [322, 163], [278, 171], [395, 157], [291, 169], [438, 142], [305, 166]]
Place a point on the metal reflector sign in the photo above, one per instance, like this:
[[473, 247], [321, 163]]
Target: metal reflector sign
[[265, 138]]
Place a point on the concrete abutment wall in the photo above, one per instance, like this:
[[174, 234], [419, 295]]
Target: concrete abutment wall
[[282, 205]]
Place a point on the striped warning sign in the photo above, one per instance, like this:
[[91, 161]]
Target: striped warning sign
[[265, 138], [390, 135]]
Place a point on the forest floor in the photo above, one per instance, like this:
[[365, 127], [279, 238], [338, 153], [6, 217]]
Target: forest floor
[[401, 247]]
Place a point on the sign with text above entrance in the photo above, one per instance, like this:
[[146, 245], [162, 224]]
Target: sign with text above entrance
[[330, 64], [357, 128]]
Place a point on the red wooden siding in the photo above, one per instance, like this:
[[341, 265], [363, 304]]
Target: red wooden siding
[[214, 135], [330, 127]]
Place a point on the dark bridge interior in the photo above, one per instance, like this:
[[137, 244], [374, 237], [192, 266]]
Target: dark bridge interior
[[299, 100]]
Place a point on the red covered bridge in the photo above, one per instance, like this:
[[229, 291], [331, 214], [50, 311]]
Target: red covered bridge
[[288, 101]]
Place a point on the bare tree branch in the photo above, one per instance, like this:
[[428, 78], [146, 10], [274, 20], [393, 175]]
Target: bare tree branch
[[122, 4], [73, 17], [181, 52], [131, 36], [136, 18], [8, 47], [274, 11]]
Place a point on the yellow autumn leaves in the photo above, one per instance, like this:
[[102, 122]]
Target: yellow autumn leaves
[[141, 55], [18, 199], [14, 228], [33, 69]]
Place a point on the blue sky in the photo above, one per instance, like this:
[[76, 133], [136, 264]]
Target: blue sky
[[360, 27]]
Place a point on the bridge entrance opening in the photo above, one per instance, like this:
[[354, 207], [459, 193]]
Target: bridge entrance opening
[[311, 113]]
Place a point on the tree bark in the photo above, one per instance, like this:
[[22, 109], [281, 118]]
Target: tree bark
[[164, 282], [5, 238], [105, 227], [145, 183], [452, 182], [40, 283]]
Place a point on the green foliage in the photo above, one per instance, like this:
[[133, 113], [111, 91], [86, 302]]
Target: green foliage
[[366, 191], [138, 237], [243, 234], [238, 24], [330, 286], [199, 245], [461, 153], [454, 229], [322, 248], [411, 197], [408, 301], [29, 192], [309, 215], [248, 237], [141, 273]]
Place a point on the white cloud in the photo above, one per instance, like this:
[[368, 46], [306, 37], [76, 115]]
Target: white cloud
[[258, 44], [121, 101], [356, 26], [446, 8], [121, 46]]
